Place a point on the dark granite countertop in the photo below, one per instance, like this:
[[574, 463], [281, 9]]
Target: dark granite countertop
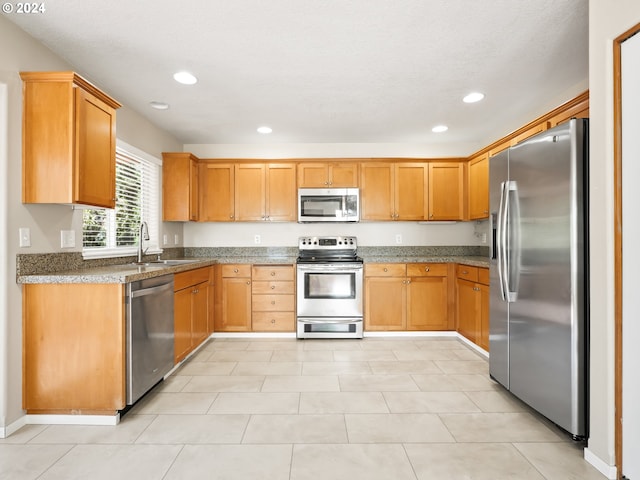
[[70, 268]]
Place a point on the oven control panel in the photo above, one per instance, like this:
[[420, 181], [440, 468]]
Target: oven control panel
[[327, 243]]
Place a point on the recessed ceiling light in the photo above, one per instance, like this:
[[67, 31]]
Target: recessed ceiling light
[[159, 105], [264, 130], [439, 129], [473, 97], [185, 78]]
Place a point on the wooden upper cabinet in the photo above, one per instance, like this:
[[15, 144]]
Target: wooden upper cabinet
[[579, 110], [390, 191], [330, 174], [217, 191], [478, 186], [530, 132], [265, 192], [446, 191], [179, 187], [69, 140], [377, 191], [250, 192], [411, 191], [281, 192]]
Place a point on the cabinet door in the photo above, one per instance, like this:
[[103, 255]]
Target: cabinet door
[[95, 151], [427, 299], [217, 192], [250, 190], [376, 191], [385, 303], [479, 187], [468, 309], [483, 341], [410, 198], [313, 175], [199, 313], [236, 305], [179, 187], [182, 323], [343, 174], [281, 192], [446, 191]]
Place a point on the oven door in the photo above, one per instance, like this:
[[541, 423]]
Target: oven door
[[329, 290]]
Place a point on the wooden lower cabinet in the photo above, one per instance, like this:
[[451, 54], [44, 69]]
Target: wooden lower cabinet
[[473, 304], [233, 298], [402, 296], [273, 298], [73, 348], [191, 307]]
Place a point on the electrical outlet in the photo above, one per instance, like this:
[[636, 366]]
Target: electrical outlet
[[67, 238], [24, 236], [176, 239], [398, 238], [165, 239], [256, 239]]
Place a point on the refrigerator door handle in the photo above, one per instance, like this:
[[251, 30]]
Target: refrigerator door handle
[[501, 242], [512, 258]]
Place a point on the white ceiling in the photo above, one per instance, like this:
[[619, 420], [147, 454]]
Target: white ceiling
[[326, 71]]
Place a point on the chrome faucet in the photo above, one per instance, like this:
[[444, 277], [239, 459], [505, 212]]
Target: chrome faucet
[[144, 235]]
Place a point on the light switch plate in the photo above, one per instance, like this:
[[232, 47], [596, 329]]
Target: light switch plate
[[165, 239], [67, 238], [176, 239], [25, 236]]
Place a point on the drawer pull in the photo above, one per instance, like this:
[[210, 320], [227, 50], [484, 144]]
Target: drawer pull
[[248, 283], [235, 270], [273, 320], [273, 287], [426, 269], [273, 274], [273, 302], [465, 272], [385, 269]]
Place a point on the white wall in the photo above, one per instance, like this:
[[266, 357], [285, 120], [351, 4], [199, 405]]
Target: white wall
[[242, 234], [607, 20], [21, 52]]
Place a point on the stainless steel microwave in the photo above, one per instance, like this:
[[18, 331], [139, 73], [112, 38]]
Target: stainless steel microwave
[[328, 205]]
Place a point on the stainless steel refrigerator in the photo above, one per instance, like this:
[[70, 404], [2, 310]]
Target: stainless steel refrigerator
[[539, 314]]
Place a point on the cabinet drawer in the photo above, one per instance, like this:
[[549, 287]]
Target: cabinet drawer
[[279, 288], [236, 271], [281, 272], [483, 276], [273, 322], [192, 277], [273, 303], [385, 270], [426, 270], [467, 272]]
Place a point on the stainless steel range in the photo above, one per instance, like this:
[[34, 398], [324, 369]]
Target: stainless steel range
[[329, 281]]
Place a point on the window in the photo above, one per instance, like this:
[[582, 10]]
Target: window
[[115, 232]]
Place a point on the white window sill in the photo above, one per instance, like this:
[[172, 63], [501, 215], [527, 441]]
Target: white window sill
[[95, 253]]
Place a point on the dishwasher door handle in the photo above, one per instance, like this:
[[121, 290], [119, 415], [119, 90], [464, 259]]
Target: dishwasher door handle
[[151, 290]]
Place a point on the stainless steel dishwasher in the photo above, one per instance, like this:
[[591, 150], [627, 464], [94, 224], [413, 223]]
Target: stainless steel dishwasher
[[149, 334]]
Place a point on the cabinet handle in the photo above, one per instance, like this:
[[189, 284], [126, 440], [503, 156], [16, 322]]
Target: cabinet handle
[[273, 287], [386, 270], [231, 216], [273, 320], [431, 216], [273, 274], [248, 283], [465, 272], [273, 302], [235, 270], [426, 269]]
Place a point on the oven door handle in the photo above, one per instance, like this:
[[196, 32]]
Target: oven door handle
[[330, 320], [329, 267]]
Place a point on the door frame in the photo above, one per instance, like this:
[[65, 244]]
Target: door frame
[[617, 174]]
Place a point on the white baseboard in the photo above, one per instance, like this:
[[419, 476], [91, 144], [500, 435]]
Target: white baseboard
[[609, 471], [410, 334], [13, 427], [253, 335], [478, 349]]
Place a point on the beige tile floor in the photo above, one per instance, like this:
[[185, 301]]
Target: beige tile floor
[[378, 408]]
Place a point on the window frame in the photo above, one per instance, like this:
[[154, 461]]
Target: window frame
[[152, 246]]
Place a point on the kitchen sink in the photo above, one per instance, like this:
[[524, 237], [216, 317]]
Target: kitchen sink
[[169, 263]]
